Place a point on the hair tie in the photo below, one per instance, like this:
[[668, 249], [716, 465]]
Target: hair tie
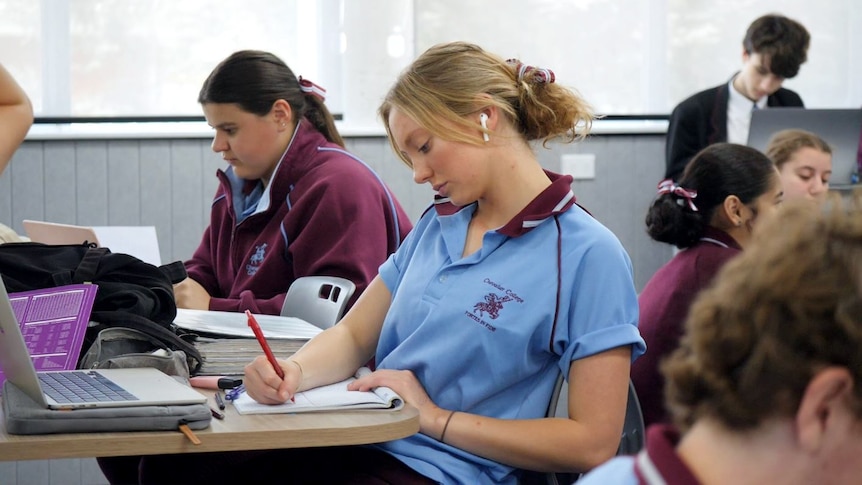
[[309, 87], [541, 76], [668, 186]]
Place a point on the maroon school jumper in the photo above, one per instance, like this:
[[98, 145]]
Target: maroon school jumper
[[664, 304], [329, 214]]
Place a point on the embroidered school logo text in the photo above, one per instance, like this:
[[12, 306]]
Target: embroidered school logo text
[[256, 259]]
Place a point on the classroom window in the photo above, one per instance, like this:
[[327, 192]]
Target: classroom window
[[643, 57], [126, 58], [628, 57]]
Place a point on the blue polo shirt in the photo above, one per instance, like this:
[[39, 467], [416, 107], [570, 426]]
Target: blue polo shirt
[[488, 333]]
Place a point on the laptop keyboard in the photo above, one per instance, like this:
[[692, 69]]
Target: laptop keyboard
[[83, 386]]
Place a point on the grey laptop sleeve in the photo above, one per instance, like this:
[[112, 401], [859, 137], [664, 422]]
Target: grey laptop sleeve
[[25, 416]]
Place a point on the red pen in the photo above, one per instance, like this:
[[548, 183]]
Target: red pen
[[260, 338], [258, 333]]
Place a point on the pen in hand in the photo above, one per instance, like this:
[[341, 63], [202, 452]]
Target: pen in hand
[[252, 322], [258, 333]]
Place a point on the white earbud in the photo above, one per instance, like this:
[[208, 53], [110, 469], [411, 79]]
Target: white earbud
[[483, 120]]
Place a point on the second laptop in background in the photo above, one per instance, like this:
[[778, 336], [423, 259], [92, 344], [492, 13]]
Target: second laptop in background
[[138, 241]]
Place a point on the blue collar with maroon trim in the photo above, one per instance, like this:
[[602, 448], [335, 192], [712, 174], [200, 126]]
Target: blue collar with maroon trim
[[555, 199], [658, 463]]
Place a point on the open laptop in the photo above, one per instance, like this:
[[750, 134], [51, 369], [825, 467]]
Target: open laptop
[[139, 241], [123, 387], [839, 127]]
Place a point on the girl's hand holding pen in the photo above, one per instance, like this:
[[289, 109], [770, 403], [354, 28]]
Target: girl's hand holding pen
[[263, 384]]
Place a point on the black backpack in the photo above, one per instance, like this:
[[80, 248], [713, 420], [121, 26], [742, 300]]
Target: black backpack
[[131, 293]]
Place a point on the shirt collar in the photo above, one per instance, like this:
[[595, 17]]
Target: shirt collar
[[719, 235], [740, 100], [555, 199], [247, 187], [659, 463]]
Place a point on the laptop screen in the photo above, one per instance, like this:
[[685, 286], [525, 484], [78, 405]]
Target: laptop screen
[[53, 322]]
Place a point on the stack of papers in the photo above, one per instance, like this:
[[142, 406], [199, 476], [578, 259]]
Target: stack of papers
[[229, 356], [235, 324], [227, 343]]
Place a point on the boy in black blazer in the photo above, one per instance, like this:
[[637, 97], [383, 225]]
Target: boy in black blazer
[[773, 49]]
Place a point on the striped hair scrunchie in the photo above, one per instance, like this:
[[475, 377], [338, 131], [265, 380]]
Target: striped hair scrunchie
[[668, 186], [309, 87], [540, 76]]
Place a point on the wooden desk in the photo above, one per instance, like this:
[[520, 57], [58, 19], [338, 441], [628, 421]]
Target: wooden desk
[[235, 432]]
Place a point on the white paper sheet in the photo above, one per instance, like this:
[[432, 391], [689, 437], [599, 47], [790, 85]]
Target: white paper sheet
[[235, 324], [139, 241]]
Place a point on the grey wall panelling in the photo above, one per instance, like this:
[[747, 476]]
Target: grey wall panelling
[[169, 184]]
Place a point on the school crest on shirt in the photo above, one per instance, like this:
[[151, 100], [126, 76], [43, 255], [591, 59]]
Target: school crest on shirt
[[256, 259], [492, 304]]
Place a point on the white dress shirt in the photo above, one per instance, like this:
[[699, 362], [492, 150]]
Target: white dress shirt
[[739, 110]]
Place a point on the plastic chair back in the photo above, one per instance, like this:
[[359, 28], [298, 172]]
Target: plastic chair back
[[319, 300]]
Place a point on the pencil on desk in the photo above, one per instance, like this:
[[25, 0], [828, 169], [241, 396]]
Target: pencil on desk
[[189, 433]]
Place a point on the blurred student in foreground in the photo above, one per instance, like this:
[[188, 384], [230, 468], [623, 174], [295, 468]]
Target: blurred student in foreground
[[767, 385], [804, 161], [16, 117]]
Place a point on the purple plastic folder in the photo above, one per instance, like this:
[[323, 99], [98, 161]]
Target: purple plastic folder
[[53, 322]]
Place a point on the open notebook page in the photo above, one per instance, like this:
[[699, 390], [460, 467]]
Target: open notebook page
[[326, 398]]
